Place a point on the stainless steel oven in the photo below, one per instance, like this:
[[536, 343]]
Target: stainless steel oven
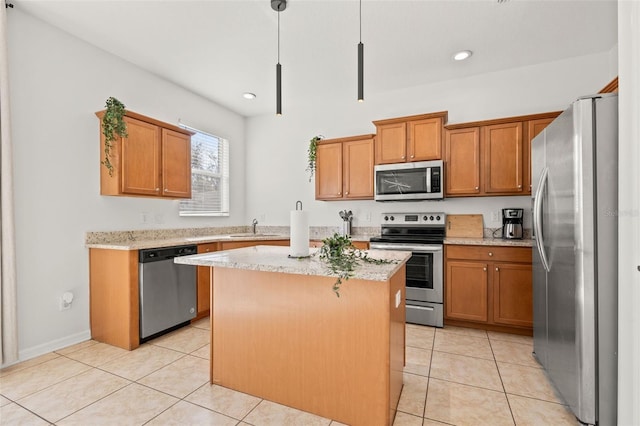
[[422, 234]]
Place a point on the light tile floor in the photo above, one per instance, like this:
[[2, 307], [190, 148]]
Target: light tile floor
[[454, 376]]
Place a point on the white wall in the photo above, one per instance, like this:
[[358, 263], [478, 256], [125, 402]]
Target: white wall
[[629, 219], [57, 83], [277, 146]]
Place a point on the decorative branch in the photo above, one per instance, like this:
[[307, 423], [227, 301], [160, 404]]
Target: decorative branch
[[112, 124], [342, 258]]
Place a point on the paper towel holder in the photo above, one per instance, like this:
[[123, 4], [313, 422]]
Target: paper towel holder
[[306, 256]]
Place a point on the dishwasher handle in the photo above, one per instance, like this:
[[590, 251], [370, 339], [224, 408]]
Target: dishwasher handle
[[165, 253]]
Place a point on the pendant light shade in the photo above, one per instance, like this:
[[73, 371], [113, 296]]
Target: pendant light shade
[[360, 72], [278, 6], [360, 62], [278, 89]]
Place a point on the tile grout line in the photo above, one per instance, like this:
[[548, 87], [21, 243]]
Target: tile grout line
[[426, 394], [495, 361]]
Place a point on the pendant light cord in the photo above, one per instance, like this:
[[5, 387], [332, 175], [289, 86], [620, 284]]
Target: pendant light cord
[[360, 21], [278, 35]]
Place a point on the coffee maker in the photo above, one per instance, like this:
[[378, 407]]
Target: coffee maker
[[512, 224]]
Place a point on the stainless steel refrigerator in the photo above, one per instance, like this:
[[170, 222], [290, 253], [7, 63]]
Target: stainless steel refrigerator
[[575, 197]]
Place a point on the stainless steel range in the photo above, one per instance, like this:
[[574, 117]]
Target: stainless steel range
[[423, 235]]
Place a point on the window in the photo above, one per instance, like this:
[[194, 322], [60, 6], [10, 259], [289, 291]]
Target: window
[[209, 176]]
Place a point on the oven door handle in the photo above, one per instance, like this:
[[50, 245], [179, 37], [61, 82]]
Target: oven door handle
[[422, 308], [417, 248]]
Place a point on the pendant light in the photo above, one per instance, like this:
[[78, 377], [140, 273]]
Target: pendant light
[[360, 62], [278, 6]]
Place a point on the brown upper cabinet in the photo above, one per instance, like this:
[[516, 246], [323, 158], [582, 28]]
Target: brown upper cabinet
[[344, 168], [462, 160], [154, 160], [491, 157], [502, 145], [407, 139]]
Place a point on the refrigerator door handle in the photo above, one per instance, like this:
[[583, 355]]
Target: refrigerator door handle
[[537, 218]]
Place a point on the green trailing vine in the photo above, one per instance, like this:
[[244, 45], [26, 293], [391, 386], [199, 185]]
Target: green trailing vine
[[342, 258], [113, 125], [312, 155]]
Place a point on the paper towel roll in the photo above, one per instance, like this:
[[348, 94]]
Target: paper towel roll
[[299, 239]]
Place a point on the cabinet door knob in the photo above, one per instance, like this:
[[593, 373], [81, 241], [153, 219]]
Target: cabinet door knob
[[477, 188], [497, 269], [157, 189], [346, 193], [339, 193], [484, 269], [403, 157], [519, 186], [413, 156], [490, 254]]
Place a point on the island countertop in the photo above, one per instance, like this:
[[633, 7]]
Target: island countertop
[[275, 259]]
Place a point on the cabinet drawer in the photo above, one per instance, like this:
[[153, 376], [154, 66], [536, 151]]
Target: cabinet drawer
[[489, 253], [207, 247]]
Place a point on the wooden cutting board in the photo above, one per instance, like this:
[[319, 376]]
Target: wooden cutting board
[[465, 225]]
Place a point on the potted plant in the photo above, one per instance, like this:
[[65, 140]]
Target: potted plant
[[113, 125], [311, 155], [342, 258]]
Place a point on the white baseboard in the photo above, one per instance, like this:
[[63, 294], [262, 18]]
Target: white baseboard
[[54, 345]]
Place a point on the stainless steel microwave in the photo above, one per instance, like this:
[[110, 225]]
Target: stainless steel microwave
[[422, 180]]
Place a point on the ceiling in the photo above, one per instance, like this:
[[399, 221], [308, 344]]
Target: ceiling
[[220, 49]]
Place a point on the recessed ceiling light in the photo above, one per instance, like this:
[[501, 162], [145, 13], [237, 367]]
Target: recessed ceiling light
[[462, 55], [249, 95]]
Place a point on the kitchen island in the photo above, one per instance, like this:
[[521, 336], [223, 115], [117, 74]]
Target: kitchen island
[[279, 332]]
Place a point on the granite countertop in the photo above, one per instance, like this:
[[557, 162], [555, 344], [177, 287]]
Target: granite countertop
[[275, 259], [137, 240], [489, 242], [179, 241]]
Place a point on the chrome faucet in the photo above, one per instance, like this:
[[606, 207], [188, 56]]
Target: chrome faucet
[[254, 223]]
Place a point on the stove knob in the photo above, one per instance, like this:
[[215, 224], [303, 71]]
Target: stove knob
[[437, 217], [386, 218], [393, 218], [431, 218], [425, 218]]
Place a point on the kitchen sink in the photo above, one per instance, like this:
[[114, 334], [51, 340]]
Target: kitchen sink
[[206, 237]]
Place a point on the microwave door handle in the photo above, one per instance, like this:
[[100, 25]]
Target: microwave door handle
[[428, 180]]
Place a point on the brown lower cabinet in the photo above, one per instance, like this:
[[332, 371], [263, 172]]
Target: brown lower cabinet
[[362, 245], [204, 272], [489, 287], [114, 291]]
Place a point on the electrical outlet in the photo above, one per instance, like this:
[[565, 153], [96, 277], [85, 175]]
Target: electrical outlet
[[495, 216], [144, 217], [367, 217], [62, 305]]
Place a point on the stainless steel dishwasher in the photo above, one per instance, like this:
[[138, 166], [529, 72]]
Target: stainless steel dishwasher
[[167, 290]]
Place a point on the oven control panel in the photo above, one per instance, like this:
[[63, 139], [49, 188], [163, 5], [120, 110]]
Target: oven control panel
[[423, 219]]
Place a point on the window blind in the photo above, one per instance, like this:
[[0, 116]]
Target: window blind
[[209, 176]]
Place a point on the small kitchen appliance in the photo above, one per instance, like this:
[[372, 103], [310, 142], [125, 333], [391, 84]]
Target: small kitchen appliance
[[423, 235], [420, 180], [512, 224]]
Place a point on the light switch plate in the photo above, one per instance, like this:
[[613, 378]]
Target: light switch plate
[[398, 298]]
